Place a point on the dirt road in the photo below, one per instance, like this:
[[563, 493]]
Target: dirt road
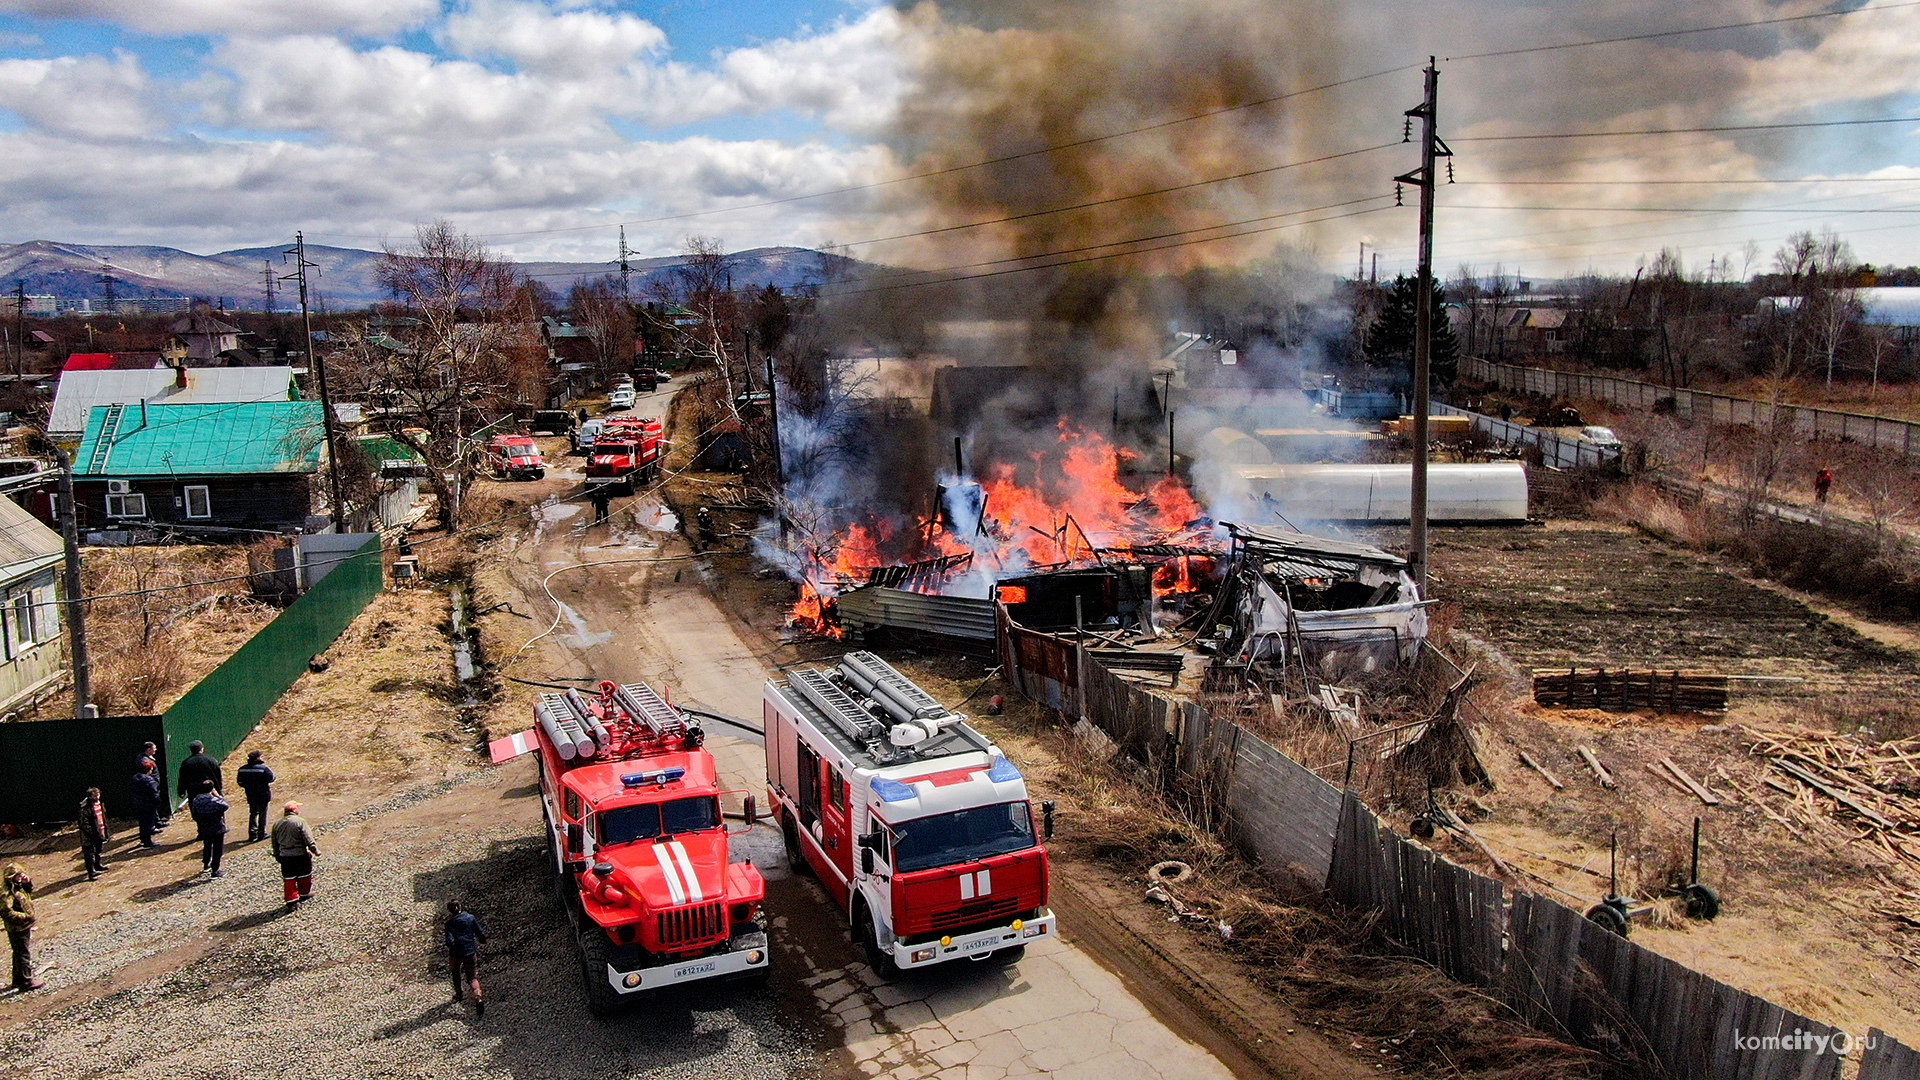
[[633, 605]]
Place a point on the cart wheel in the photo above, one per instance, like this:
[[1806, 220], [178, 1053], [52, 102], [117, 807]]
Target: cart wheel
[[1422, 827], [1609, 917], [1702, 901]]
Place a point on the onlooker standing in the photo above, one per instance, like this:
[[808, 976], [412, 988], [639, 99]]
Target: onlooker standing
[[93, 833], [465, 932], [147, 801], [257, 781], [210, 814], [19, 918], [293, 845], [196, 768], [1822, 483], [149, 756]]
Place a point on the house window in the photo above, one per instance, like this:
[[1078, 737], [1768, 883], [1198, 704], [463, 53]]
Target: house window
[[125, 504], [199, 502], [20, 610]]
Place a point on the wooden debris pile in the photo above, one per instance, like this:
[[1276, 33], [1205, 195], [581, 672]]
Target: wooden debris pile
[[1628, 688], [1827, 774]]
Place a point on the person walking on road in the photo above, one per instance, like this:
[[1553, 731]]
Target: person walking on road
[[210, 815], [93, 833], [465, 933], [147, 801], [293, 845], [19, 918], [256, 780]]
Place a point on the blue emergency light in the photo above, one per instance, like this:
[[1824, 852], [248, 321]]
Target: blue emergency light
[[658, 776]]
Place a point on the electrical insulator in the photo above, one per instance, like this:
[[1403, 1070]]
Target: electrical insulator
[[1406, 130], [1449, 170], [1396, 196]]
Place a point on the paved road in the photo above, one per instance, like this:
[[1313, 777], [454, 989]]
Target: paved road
[[1056, 1012]]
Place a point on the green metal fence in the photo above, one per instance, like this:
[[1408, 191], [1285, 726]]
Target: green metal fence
[[229, 703], [46, 765]]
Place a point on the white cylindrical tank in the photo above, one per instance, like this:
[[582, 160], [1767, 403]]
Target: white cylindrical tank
[[1227, 446], [1496, 491]]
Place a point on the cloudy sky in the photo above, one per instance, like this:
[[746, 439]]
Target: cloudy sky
[[542, 125]]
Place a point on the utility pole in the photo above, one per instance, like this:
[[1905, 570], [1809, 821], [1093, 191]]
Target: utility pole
[[626, 268], [299, 253], [76, 604], [268, 279], [20, 327], [1423, 178]]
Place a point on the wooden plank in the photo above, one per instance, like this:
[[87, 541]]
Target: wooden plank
[[1541, 769], [1599, 771], [1692, 785], [1832, 792]]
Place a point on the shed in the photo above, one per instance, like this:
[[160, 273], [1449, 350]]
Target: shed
[[33, 657]]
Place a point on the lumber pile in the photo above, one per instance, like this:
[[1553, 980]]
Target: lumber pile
[[1630, 688], [1875, 788]]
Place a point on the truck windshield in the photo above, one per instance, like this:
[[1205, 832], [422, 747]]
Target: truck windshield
[[945, 839], [624, 824]]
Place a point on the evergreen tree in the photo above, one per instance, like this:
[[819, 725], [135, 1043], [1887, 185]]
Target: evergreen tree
[[1390, 339]]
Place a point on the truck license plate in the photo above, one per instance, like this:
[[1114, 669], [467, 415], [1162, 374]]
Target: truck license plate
[[706, 967]]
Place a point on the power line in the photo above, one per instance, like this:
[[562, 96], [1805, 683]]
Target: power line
[[1677, 33], [1688, 130], [1704, 183]]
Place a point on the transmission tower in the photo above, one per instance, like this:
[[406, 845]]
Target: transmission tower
[[626, 268], [106, 281], [270, 280]]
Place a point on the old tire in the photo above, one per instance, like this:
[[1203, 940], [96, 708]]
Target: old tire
[[1702, 901], [1609, 917], [796, 859], [602, 999]]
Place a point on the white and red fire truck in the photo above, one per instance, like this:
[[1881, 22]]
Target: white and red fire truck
[[639, 847], [514, 457], [627, 449], [918, 826]]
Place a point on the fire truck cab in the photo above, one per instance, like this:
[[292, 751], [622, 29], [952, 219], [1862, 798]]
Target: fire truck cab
[[627, 449], [917, 825], [638, 844]]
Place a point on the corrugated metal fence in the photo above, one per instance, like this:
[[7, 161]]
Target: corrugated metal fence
[[45, 765], [1557, 451], [1803, 420], [1562, 973], [223, 708]]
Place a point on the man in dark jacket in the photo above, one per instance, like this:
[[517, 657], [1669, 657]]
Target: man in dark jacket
[[17, 911], [149, 757], [147, 801], [257, 781], [196, 768], [93, 833], [210, 814], [465, 932]]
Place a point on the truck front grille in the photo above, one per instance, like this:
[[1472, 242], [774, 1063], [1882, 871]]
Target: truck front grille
[[690, 924], [989, 910]]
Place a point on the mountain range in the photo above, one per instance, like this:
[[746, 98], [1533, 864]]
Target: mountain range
[[346, 278]]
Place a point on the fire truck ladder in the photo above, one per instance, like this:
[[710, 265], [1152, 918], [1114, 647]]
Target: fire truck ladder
[[649, 708], [837, 706]]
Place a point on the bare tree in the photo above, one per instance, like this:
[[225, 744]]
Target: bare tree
[[458, 359], [607, 320], [702, 284]]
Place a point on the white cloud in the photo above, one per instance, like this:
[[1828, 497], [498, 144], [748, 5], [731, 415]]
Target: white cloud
[[87, 96], [537, 38], [1870, 54], [173, 17]]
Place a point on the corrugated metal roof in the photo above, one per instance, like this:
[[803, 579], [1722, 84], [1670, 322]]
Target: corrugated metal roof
[[81, 390], [24, 540], [204, 440], [89, 361]]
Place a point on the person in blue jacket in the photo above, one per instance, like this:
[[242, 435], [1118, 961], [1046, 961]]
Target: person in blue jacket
[[465, 933], [209, 811], [256, 779], [147, 801]]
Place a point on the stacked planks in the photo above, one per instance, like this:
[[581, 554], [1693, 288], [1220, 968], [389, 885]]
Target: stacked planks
[[1628, 688]]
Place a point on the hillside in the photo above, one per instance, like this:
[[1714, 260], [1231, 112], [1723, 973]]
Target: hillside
[[346, 277]]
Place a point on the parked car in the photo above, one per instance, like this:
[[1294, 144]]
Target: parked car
[[586, 433], [621, 398], [1602, 437], [645, 379], [514, 457], [552, 421]]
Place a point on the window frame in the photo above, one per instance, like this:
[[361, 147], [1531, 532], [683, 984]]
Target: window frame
[[206, 502], [125, 499]]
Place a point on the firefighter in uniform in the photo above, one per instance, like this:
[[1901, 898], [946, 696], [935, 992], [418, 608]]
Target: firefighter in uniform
[[293, 845]]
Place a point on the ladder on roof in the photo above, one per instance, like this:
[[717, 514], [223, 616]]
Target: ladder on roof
[[641, 703], [103, 446]]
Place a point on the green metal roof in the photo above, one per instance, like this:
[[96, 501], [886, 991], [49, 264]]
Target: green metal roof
[[201, 440]]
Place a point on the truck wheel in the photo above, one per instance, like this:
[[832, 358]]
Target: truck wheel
[[868, 935], [1012, 954], [602, 999], [796, 859]]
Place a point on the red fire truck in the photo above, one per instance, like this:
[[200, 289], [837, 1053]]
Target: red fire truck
[[632, 808], [514, 457], [918, 826], [627, 449]]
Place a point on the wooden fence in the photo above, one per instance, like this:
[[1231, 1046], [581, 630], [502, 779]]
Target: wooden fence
[[1560, 972], [1804, 421]]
